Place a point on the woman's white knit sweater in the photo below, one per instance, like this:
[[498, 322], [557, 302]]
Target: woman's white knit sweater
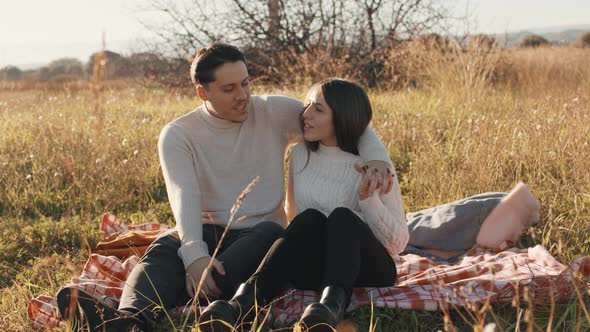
[[330, 180]]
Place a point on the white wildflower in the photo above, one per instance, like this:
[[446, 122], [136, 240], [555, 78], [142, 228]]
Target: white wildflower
[[491, 327]]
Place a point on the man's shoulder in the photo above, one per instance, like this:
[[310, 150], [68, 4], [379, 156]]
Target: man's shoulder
[[180, 126], [187, 119]]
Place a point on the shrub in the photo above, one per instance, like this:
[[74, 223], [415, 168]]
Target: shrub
[[481, 41], [116, 65], [154, 68], [533, 41], [64, 67], [583, 40], [10, 73]]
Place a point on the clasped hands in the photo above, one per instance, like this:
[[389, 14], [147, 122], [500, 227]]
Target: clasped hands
[[376, 175]]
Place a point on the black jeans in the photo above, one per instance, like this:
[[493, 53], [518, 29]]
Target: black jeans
[[316, 251], [159, 279]]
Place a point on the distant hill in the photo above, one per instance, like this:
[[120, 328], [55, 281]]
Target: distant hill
[[564, 35]]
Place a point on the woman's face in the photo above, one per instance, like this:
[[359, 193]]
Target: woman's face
[[318, 124]]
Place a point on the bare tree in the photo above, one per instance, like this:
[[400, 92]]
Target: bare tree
[[298, 25], [187, 25], [276, 33]]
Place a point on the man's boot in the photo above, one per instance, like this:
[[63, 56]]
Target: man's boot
[[220, 315], [325, 315], [89, 313]]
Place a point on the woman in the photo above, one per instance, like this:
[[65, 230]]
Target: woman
[[345, 233]]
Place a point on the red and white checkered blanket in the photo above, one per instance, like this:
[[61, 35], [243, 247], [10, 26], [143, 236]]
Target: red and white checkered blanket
[[478, 276]]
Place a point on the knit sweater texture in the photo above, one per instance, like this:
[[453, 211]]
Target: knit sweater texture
[[207, 162], [329, 180]]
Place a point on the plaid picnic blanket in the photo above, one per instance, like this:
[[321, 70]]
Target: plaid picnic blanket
[[480, 275]]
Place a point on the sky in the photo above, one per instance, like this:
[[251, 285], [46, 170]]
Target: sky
[[501, 16], [35, 32], [38, 31]]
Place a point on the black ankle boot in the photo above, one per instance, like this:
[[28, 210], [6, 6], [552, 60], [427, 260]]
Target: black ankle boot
[[89, 313], [323, 316], [223, 315]]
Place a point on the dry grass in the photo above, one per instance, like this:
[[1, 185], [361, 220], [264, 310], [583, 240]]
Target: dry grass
[[480, 121], [550, 69]]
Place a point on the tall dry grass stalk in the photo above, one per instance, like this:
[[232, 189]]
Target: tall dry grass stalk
[[96, 83], [234, 209]]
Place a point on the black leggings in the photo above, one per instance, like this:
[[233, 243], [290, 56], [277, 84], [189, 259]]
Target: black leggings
[[318, 251]]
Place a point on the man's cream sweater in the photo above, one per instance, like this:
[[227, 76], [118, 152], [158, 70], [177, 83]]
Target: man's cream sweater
[[329, 180], [207, 162]]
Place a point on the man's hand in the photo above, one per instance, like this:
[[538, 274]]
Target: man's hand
[[201, 269], [376, 175]]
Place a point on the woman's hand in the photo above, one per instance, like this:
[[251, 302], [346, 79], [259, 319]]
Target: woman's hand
[[376, 175], [369, 183]]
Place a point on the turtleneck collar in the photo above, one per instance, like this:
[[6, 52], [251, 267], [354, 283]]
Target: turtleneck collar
[[332, 151]]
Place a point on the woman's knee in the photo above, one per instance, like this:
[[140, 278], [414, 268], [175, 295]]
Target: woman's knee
[[311, 214], [343, 220], [343, 214], [306, 223]]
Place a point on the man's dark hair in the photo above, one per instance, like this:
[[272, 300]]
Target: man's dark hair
[[212, 57], [351, 112]]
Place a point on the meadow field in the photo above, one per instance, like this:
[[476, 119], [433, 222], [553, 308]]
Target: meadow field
[[67, 155]]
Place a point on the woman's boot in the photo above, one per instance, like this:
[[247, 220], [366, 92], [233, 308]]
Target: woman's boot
[[224, 315], [325, 315]]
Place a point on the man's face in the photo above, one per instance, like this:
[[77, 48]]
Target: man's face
[[228, 95]]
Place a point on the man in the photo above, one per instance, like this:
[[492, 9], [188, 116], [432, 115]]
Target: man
[[208, 157]]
